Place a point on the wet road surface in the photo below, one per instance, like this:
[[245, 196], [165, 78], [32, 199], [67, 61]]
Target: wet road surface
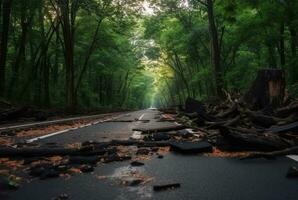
[[200, 177]]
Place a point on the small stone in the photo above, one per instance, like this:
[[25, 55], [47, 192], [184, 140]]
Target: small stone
[[160, 156]]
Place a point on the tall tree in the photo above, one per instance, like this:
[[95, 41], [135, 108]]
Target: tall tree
[[68, 12], [215, 53]]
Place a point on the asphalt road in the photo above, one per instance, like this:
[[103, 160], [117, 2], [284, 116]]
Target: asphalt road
[[200, 177]]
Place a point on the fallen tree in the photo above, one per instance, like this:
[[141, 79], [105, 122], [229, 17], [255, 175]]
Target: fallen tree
[[249, 140], [270, 155]]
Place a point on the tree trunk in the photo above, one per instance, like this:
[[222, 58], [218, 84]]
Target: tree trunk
[[67, 18], [6, 7], [267, 89], [216, 60]]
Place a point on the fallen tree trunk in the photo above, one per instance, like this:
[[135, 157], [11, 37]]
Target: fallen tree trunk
[[270, 155], [254, 141], [287, 111], [231, 111], [261, 120], [230, 122]]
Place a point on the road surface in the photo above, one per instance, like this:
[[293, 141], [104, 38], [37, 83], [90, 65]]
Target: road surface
[[201, 177]]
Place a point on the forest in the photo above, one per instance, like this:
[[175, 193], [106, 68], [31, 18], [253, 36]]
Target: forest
[[127, 54]]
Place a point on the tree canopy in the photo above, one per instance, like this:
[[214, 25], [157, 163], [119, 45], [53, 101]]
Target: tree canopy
[[135, 54]]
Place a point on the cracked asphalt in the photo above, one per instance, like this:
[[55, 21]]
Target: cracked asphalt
[[201, 177]]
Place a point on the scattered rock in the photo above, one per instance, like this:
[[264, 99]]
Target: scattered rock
[[166, 187], [136, 164], [191, 147], [292, 172]]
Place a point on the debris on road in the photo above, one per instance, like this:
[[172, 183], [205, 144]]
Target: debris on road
[[191, 147], [136, 164]]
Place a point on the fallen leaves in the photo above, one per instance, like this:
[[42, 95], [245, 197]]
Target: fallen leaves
[[226, 154]]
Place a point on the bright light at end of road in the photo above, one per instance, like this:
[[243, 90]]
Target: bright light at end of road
[[147, 9]]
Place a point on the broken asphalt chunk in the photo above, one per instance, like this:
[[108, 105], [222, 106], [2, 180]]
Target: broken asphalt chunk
[[158, 188], [136, 164], [191, 147], [157, 137]]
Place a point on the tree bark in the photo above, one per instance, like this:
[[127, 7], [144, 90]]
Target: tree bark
[[267, 89]]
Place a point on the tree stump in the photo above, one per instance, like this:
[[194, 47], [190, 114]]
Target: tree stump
[[268, 89]]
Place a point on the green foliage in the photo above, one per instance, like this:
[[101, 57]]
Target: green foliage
[[126, 58]]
